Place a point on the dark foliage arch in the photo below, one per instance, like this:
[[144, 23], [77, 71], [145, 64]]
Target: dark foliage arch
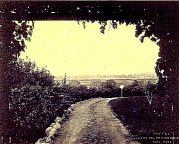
[[156, 20]]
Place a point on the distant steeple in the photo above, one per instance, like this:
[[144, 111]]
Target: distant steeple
[[65, 78]]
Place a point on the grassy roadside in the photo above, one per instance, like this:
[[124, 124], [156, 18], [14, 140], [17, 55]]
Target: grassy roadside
[[147, 123]]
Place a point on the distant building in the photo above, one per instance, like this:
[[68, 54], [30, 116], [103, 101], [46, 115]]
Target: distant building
[[64, 80]]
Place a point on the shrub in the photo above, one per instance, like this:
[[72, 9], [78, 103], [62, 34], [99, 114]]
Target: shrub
[[33, 101], [36, 99]]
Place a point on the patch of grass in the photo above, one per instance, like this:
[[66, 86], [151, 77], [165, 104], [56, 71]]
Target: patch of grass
[[146, 123]]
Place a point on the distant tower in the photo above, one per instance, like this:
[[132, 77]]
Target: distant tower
[[64, 80]]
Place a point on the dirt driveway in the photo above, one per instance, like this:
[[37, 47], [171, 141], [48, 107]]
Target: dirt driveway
[[92, 122]]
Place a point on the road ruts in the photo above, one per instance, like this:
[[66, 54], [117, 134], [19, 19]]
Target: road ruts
[[92, 122]]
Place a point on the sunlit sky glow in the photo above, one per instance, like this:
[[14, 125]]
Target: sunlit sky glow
[[66, 47]]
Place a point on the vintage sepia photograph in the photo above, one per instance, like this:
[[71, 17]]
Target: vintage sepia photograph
[[89, 72]]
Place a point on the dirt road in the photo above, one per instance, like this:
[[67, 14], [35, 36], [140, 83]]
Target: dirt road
[[92, 122]]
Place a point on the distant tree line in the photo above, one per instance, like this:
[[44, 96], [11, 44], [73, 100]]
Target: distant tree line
[[110, 88]]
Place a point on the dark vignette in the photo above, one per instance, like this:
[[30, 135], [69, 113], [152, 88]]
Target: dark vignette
[[164, 14]]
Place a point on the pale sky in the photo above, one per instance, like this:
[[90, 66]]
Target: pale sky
[[66, 47]]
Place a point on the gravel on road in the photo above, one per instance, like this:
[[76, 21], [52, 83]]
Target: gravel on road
[[93, 122]]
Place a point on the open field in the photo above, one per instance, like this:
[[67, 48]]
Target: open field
[[119, 79]]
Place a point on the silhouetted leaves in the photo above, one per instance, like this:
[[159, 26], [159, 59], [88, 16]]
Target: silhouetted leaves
[[34, 104]]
